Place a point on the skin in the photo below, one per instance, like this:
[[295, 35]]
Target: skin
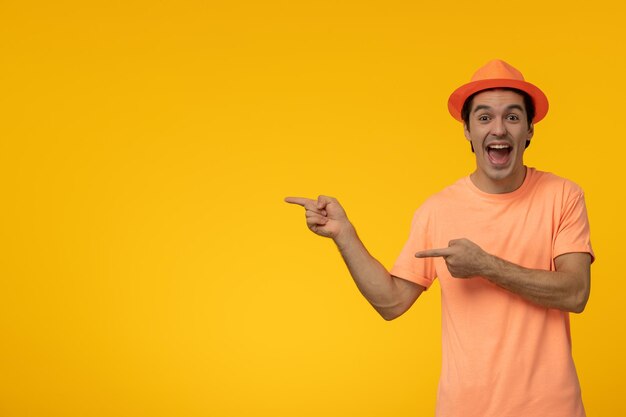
[[497, 117], [566, 289]]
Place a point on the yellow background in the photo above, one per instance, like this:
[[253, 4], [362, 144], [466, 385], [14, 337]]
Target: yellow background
[[148, 264]]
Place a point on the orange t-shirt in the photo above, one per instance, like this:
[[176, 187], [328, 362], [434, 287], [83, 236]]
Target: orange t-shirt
[[502, 356]]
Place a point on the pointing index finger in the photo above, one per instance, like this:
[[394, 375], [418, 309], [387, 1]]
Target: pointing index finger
[[301, 201], [431, 253]]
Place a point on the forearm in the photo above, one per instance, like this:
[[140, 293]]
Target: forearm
[[387, 294], [566, 290]]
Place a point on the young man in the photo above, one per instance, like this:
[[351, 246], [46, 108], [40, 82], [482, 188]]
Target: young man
[[510, 246]]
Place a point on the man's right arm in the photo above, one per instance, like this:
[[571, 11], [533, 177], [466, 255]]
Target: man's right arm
[[390, 296]]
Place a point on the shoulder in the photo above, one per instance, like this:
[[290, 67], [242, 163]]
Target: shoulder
[[554, 184], [452, 192], [444, 200], [555, 190]]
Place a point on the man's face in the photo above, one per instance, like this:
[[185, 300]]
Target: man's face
[[498, 130]]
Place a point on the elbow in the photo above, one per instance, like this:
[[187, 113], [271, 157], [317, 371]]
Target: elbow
[[389, 316], [388, 313], [578, 308], [580, 301]]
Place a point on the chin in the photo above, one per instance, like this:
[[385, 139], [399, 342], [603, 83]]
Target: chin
[[506, 173]]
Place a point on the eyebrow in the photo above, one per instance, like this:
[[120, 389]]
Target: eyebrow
[[485, 107]]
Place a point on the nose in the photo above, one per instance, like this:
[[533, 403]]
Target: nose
[[498, 128]]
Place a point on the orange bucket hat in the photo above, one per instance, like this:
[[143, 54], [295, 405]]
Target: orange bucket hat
[[497, 74]]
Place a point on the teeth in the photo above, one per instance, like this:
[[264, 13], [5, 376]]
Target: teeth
[[499, 146]]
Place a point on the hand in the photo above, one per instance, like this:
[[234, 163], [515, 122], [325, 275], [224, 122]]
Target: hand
[[464, 258], [325, 217]]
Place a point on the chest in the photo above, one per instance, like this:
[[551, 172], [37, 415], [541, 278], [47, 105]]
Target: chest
[[520, 231]]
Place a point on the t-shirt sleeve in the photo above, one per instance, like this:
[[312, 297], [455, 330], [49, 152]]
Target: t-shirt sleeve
[[573, 230], [407, 266]]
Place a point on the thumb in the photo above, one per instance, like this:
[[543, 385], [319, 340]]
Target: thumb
[[323, 201]]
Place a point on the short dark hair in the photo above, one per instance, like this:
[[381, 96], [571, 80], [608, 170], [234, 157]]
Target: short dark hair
[[529, 104]]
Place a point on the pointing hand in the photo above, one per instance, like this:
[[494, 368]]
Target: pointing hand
[[324, 216], [464, 258]]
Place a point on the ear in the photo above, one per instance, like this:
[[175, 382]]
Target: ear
[[467, 136], [531, 131]]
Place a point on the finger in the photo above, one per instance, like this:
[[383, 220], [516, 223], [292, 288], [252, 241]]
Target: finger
[[313, 219], [430, 253], [311, 213], [323, 201], [307, 203], [301, 201]]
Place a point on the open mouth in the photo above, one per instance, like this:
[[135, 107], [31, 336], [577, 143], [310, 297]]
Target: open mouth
[[499, 153]]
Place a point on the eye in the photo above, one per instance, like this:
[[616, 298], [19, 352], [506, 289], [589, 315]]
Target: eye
[[512, 117], [483, 118]]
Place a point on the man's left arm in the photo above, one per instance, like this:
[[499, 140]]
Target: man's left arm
[[566, 289]]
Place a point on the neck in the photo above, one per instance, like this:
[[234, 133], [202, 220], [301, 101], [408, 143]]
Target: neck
[[498, 186]]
